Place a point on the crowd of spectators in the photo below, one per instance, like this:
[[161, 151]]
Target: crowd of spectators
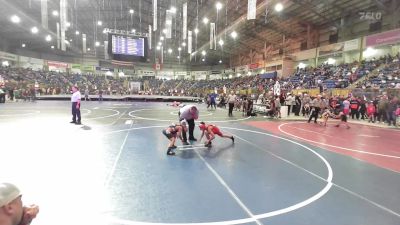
[[388, 76], [25, 82]]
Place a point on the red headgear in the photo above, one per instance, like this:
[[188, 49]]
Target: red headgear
[[202, 126]]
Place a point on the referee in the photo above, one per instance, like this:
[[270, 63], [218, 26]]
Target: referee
[[189, 113], [76, 105]]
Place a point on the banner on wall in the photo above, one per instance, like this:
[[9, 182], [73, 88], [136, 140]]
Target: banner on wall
[[8, 56], [87, 68], [150, 41], [330, 49], [190, 42], [213, 39], [76, 66], [307, 54], [154, 15], [181, 73], [157, 66], [242, 69], [149, 73], [388, 37], [168, 24], [251, 9], [104, 69], [199, 73], [352, 45], [254, 66], [57, 64], [44, 14], [216, 72], [184, 24], [228, 71]]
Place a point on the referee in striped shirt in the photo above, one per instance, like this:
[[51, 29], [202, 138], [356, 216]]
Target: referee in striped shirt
[[76, 105]]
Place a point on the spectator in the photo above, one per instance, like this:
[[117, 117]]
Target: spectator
[[12, 211]]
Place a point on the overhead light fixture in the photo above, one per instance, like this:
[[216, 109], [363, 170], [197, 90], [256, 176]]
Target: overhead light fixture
[[15, 19], [70, 40], [169, 51], [221, 42], [203, 52], [159, 43], [162, 38], [234, 34], [55, 13], [133, 30], [23, 45], [48, 38], [179, 49], [218, 5], [77, 32], [131, 11], [99, 23], [164, 31], [34, 30], [178, 57], [97, 44], [184, 44], [220, 61], [203, 60], [88, 49], [52, 47], [173, 9], [278, 7], [68, 24], [168, 22], [205, 20], [158, 47], [196, 30], [104, 31]]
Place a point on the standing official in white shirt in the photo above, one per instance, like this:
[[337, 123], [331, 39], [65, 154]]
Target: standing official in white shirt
[[190, 113], [76, 105]]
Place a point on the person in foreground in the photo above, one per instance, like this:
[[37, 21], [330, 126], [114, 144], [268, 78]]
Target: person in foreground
[[210, 131], [12, 211]]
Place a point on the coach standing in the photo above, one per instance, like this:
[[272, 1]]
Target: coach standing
[[189, 113], [76, 105]]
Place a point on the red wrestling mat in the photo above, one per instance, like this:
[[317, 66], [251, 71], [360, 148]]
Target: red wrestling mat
[[378, 146]]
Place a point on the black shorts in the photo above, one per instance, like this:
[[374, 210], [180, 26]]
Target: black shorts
[[344, 118]]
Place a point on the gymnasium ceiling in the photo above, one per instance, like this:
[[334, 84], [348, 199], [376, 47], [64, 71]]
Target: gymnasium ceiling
[[270, 27]]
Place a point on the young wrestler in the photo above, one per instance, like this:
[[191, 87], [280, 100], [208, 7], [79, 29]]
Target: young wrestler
[[325, 116], [172, 132], [210, 131], [343, 119]]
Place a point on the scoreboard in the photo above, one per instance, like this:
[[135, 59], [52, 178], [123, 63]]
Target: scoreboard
[[126, 45]]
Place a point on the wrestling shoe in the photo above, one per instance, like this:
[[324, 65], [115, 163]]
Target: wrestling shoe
[[233, 139], [170, 152]]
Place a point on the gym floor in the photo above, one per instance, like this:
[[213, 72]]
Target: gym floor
[[113, 169]]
